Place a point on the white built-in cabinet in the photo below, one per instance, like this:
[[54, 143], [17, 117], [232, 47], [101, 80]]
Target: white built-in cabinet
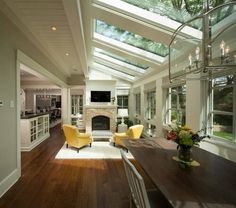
[[34, 131]]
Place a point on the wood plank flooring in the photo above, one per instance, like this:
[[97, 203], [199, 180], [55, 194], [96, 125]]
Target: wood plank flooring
[[49, 182]]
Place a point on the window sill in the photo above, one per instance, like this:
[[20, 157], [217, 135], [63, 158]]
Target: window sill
[[166, 127], [220, 142]]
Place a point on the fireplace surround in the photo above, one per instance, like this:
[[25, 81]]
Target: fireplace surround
[[93, 111]]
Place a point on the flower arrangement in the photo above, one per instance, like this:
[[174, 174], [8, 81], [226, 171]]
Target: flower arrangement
[[184, 136]]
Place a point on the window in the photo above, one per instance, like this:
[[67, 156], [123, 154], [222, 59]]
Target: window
[[138, 104], [222, 107], [175, 105], [181, 11], [129, 38], [150, 130], [100, 52], [151, 105], [137, 121], [76, 104], [122, 101]]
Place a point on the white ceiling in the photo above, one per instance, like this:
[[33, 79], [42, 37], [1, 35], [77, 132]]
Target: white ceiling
[[74, 20]]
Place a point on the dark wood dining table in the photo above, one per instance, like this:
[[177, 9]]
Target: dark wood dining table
[[212, 184]]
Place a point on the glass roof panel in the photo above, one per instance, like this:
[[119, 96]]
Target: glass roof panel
[[181, 11], [111, 69], [112, 55], [130, 38]]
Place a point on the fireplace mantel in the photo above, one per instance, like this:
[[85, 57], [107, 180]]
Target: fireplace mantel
[[100, 106]]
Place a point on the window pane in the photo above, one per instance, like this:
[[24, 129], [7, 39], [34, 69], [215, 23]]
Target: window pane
[[125, 103], [122, 59], [181, 118], [182, 101], [124, 36], [223, 99], [119, 102], [173, 100], [223, 126], [174, 115], [223, 81]]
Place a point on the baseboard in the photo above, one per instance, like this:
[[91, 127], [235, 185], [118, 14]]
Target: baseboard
[[9, 181], [34, 144]]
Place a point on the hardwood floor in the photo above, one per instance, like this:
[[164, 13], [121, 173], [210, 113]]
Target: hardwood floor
[[49, 182]]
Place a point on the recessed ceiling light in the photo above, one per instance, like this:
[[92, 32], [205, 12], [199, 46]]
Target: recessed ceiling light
[[53, 28], [67, 54]]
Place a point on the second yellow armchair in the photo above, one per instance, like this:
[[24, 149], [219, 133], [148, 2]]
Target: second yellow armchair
[[134, 132], [76, 139]]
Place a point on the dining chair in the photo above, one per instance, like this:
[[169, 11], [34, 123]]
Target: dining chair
[[139, 194]]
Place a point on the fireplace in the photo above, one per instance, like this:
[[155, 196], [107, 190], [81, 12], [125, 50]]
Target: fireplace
[[107, 111], [100, 123]]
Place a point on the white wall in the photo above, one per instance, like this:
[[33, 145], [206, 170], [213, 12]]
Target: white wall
[[12, 39], [99, 85]]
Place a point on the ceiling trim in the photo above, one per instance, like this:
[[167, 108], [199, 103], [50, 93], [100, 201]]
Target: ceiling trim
[[73, 13], [37, 69]]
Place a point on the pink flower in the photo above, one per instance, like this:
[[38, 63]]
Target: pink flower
[[171, 135]]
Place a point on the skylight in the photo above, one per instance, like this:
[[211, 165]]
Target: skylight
[[104, 68], [181, 11], [175, 10], [124, 36], [142, 66]]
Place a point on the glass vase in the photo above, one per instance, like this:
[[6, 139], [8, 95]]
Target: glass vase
[[185, 153]]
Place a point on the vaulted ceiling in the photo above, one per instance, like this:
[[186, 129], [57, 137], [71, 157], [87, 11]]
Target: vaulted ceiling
[[67, 31]]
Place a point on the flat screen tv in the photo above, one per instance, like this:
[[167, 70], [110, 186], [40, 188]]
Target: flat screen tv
[[100, 96]]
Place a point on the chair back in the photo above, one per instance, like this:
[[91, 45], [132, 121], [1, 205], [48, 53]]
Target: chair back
[[70, 132], [136, 184], [135, 131]]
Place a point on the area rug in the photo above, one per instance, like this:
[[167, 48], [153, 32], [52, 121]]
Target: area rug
[[99, 150]]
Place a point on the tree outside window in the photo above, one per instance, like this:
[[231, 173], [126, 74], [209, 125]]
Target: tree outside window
[[151, 105], [76, 104], [221, 113], [138, 104], [176, 105], [123, 101]]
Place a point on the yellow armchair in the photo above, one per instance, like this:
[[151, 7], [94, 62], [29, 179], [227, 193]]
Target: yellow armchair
[[134, 132], [76, 139]]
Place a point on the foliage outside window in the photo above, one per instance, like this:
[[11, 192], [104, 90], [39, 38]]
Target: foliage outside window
[[135, 40], [151, 105], [138, 104], [181, 10], [123, 101], [151, 130], [76, 104], [222, 111], [176, 105], [137, 121]]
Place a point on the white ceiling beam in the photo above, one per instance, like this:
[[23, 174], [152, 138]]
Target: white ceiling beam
[[73, 13], [131, 24], [118, 67], [124, 53]]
